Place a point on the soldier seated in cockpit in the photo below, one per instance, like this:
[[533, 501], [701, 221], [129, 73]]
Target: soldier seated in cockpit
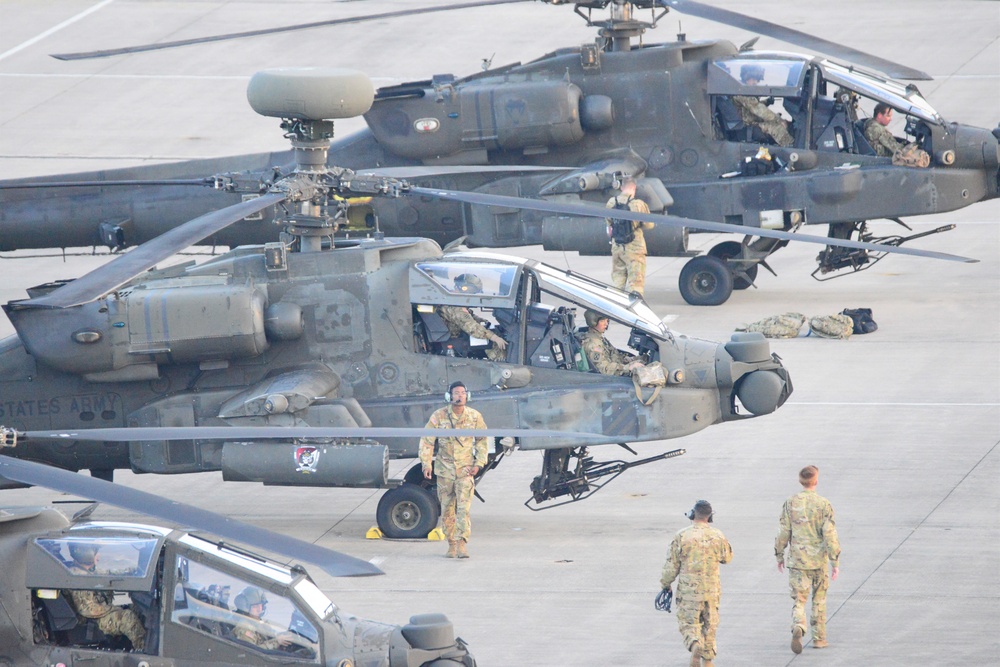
[[601, 354], [461, 320], [99, 605], [756, 113], [252, 604]]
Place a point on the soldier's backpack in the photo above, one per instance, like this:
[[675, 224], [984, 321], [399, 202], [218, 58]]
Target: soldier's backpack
[[622, 231], [832, 326], [862, 317], [786, 325]]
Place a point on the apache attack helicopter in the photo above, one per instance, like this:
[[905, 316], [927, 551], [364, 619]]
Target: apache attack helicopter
[[562, 127], [296, 362], [191, 593]]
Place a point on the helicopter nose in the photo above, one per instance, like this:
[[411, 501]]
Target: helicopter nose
[[760, 381], [761, 392]]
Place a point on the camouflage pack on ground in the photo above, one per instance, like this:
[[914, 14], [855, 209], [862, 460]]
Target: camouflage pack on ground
[[786, 325], [832, 326]]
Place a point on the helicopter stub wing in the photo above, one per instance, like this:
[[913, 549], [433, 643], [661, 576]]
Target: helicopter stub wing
[[119, 271], [590, 210], [334, 563], [790, 36], [131, 434]]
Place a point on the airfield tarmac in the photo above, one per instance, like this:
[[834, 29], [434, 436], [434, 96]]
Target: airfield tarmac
[[904, 423]]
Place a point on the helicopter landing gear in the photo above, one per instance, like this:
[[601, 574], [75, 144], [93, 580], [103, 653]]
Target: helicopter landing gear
[[706, 281], [408, 511], [744, 270], [571, 471]]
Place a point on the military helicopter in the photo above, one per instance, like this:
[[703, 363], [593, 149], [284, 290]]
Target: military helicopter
[[563, 126], [192, 595], [255, 362]]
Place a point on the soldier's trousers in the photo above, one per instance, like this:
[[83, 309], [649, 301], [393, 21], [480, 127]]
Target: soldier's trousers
[[628, 268], [455, 495], [802, 583], [698, 621], [777, 131], [124, 622]]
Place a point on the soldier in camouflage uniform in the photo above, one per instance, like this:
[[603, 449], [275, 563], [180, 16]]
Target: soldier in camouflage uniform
[[628, 260], [808, 530], [886, 145], [694, 558], [252, 603], [755, 113], [601, 354], [457, 463], [459, 319], [99, 605]]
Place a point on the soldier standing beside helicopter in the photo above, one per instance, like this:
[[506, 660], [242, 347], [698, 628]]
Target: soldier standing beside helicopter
[[456, 464], [628, 244]]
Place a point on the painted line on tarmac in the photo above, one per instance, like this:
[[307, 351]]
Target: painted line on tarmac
[[894, 404], [55, 29]]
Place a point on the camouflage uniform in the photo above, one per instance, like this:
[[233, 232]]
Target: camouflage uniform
[[886, 145], [604, 356], [755, 113], [111, 620], [454, 456], [461, 320], [694, 558], [808, 529], [248, 631], [628, 260]]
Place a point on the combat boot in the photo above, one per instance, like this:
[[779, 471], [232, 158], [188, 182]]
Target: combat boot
[[696, 655], [820, 643], [452, 549], [462, 551], [797, 641]]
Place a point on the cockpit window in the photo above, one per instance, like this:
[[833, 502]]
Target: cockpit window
[[495, 280], [589, 293], [221, 604], [122, 557], [751, 76], [903, 97]]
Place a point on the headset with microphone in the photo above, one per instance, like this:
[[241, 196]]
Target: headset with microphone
[[451, 388], [704, 506]]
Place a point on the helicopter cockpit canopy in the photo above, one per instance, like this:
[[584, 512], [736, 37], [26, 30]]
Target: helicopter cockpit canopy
[[434, 282], [779, 76], [905, 98], [126, 556]]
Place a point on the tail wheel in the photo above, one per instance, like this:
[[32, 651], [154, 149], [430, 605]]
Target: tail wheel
[[408, 511], [706, 281], [729, 250]]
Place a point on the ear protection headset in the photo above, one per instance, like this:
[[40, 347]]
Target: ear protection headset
[[447, 394], [690, 515]]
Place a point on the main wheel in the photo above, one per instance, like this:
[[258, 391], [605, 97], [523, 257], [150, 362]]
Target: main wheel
[[706, 281], [408, 511], [728, 250]]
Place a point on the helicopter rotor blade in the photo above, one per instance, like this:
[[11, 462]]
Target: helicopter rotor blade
[[805, 40], [103, 184], [36, 474], [133, 434], [119, 271], [271, 31], [590, 210]]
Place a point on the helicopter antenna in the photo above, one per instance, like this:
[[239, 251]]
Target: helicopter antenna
[[681, 37], [487, 62]]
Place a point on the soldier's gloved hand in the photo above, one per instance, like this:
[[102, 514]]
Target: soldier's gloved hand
[[498, 342], [768, 101]]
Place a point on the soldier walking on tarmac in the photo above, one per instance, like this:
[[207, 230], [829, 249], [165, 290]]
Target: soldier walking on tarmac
[[808, 530], [628, 244], [457, 463], [693, 559]]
